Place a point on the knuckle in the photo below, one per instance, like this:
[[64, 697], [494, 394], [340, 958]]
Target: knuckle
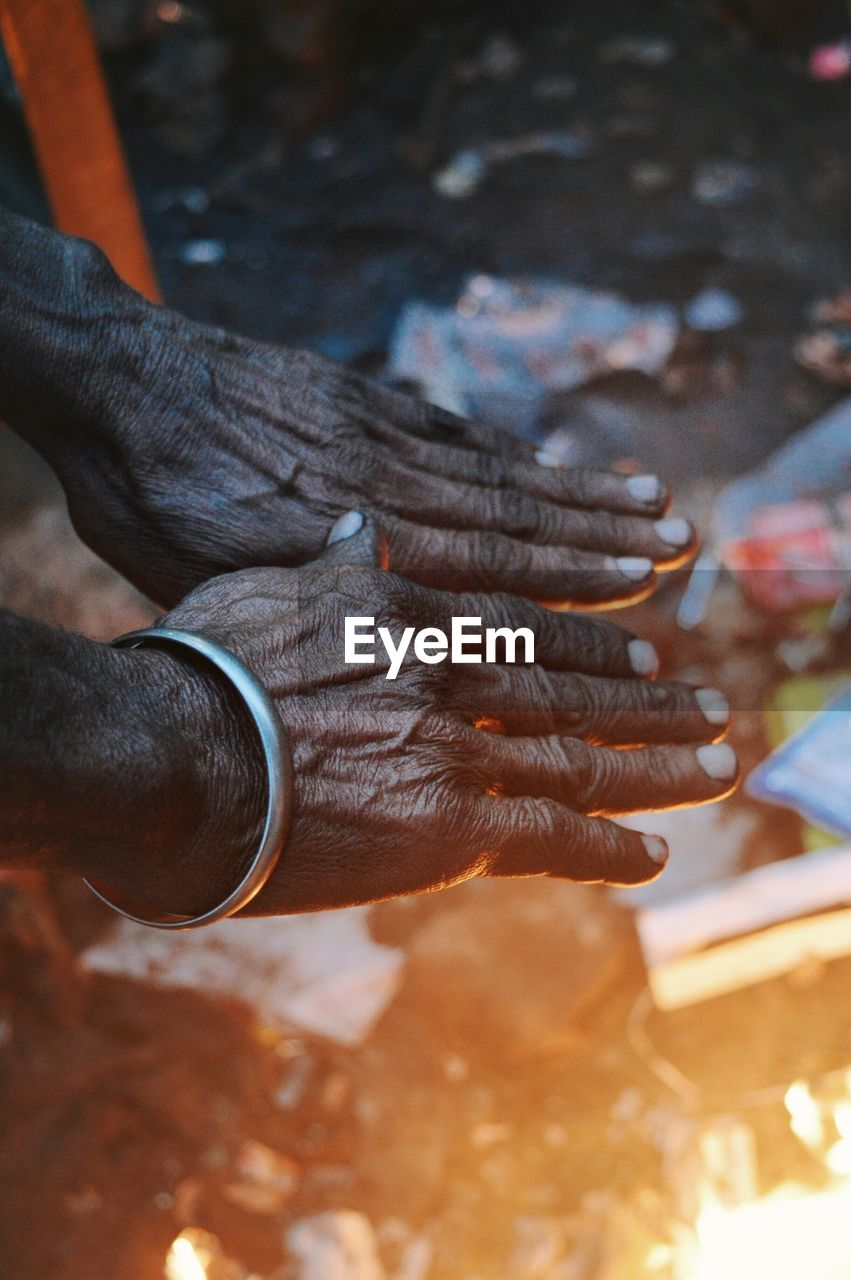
[[602, 529], [517, 513], [506, 610], [90, 261], [606, 849], [494, 555], [662, 699], [589, 773], [484, 469], [542, 817], [603, 643], [584, 488], [535, 687], [581, 706]]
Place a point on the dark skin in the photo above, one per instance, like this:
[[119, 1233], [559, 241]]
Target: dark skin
[[445, 773], [187, 453]]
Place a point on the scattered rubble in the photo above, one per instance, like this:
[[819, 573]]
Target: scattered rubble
[[830, 61], [505, 343], [202, 253], [723, 182], [705, 844], [72, 587], [467, 169], [639, 51], [320, 973], [499, 59], [526, 958], [649, 177], [335, 1246], [264, 1181], [712, 311]]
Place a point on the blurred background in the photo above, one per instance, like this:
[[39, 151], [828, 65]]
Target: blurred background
[[620, 230]]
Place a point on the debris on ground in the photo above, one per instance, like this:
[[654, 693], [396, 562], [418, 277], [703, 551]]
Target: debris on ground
[[506, 343], [830, 61], [814, 462], [558, 88], [649, 177], [826, 350], [810, 770], [499, 58], [712, 311], [795, 554], [722, 833], [202, 253], [72, 587], [340, 1245], [318, 973], [639, 51], [530, 957], [467, 169], [263, 1181], [723, 181]]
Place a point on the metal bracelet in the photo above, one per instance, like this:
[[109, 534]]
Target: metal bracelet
[[276, 752]]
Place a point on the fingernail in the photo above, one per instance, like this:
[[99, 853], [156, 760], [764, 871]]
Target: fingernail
[[346, 527], [634, 567], [643, 657], [713, 704], [656, 848], [644, 488], [545, 459], [675, 531], [719, 761]]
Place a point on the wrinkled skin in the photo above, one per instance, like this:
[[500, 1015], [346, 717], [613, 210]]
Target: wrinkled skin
[[186, 451], [448, 771]]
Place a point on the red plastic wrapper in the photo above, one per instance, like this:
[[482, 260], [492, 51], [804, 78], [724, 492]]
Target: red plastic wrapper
[[796, 554]]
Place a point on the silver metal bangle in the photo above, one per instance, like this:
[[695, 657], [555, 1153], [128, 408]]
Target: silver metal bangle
[[276, 752]]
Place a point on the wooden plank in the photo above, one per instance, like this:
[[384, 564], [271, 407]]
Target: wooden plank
[[748, 960], [801, 886], [53, 58]]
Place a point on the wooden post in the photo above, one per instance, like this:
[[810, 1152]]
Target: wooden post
[[52, 53]]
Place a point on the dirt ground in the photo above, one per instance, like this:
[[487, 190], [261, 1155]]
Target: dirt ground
[[127, 1107]]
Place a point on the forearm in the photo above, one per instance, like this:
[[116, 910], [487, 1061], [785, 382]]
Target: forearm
[[124, 766], [63, 316]]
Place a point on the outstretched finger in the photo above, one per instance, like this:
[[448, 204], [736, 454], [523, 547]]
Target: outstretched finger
[[533, 700], [444, 444], [603, 780], [535, 837], [482, 560], [563, 641]]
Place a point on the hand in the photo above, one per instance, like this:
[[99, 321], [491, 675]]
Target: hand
[[204, 453], [449, 771]]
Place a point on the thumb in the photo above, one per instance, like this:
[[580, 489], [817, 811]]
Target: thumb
[[355, 539]]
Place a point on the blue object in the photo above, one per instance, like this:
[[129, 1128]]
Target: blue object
[[811, 771]]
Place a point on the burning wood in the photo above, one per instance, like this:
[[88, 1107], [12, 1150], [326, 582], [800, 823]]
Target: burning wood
[[198, 1255], [794, 1231], [185, 1261]]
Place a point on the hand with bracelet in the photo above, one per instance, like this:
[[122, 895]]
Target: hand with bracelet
[[157, 785]]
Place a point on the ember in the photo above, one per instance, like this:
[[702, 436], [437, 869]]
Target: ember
[[187, 1258], [796, 1230]]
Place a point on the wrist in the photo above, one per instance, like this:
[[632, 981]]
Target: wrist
[[63, 314], [206, 786]]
